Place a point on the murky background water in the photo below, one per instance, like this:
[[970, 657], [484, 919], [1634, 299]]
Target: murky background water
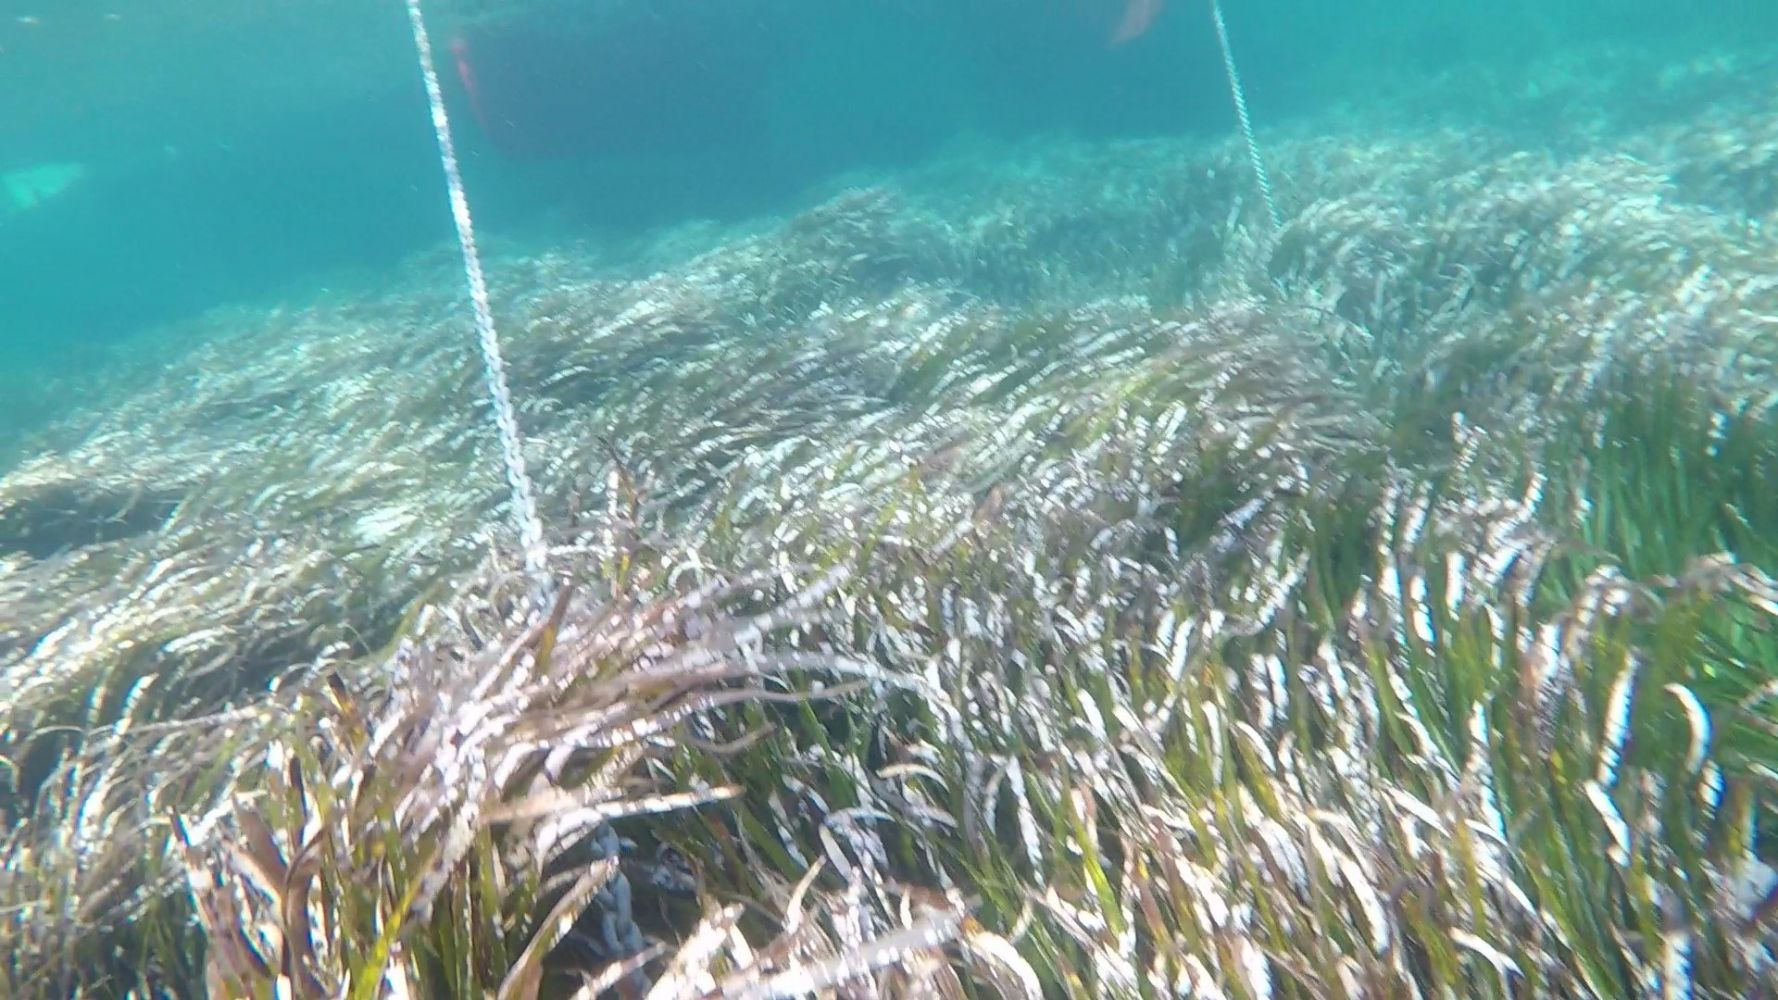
[[160, 162]]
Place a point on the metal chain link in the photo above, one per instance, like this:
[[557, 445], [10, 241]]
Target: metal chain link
[[620, 937]]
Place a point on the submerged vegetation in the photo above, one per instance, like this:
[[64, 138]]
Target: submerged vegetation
[[1063, 590]]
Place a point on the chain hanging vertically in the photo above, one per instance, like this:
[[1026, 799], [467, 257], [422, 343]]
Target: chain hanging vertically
[[618, 935], [512, 454], [1258, 163]]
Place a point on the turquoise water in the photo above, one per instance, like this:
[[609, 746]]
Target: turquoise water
[[978, 296], [203, 154]]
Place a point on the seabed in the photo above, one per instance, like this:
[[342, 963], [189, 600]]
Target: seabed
[[1026, 576]]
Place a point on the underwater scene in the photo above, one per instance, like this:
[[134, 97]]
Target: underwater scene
[[888, 498]]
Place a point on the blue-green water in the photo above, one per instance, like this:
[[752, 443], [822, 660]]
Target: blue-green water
[[163, 162], [991, 300]]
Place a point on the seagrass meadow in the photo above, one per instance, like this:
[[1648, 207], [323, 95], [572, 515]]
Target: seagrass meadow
[[1028, 575]]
